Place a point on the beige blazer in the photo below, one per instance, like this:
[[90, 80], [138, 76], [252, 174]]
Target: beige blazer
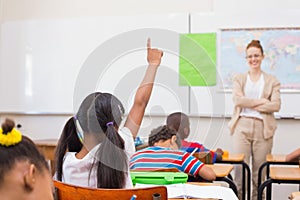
[[271, 92]]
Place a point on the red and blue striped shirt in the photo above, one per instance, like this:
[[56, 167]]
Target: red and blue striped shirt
[[190, 146], [155, 157]]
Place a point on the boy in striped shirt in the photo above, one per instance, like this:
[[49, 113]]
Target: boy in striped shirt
[[163, 153], [180, 122]]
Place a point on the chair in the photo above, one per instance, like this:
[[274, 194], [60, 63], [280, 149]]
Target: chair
[[280, 175], [71, 192]]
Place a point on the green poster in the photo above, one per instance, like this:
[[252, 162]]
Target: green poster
[[197, 62]]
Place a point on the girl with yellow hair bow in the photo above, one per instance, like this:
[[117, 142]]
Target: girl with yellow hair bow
[[24, 172]]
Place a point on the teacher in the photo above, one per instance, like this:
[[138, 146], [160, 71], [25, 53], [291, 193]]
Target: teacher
[[256, 96]]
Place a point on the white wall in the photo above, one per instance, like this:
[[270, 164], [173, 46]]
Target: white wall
[[33, 9], [45, 126]]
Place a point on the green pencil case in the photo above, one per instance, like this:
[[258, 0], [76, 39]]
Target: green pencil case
[[158, 178]]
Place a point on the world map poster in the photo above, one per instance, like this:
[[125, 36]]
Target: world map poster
[[281, 48]]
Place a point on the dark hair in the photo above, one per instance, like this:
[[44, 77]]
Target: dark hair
[[23, 151], [162, 133], [101, 114], [178, 121], [68, 141], [255, 43]]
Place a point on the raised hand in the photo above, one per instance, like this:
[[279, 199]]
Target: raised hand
[[153, 55]]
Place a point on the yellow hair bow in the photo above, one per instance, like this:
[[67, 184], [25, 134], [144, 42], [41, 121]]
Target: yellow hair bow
[[11, 138]]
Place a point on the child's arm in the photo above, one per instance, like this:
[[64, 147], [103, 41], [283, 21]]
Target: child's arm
[[207, 173], [143, 93], [293, 156]]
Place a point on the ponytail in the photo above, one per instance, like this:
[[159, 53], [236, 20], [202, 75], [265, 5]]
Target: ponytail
[[112, 160], [68, 141], [100, 115]]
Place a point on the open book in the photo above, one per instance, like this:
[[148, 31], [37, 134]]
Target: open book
[[196, 191]]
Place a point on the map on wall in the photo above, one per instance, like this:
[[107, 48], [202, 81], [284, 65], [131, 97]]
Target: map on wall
[[281, 48]]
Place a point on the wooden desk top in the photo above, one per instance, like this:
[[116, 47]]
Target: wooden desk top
[[285, 173], [295, 195], [221, 170], [276, 157], [47, 147], [142, 146], [234, 158], [46, 142], [204, 184]]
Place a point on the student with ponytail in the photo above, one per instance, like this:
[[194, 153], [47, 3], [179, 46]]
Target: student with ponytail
[[93, 149], [24, 172]]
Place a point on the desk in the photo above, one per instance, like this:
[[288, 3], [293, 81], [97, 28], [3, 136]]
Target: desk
[[142, 146], [222, 172], [47, 148], [272, 159], [280, 175], [295, 196], [238, 159]]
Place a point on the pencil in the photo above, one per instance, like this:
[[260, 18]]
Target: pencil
[[194, 151], [133, 197]]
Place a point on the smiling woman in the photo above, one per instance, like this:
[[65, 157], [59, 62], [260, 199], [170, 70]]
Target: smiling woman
[[256, 96]]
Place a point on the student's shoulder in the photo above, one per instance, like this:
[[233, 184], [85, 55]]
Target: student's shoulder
[[150, 149], [124, 131], [126, 135], [70, 160], [185, 143], [69, 155]]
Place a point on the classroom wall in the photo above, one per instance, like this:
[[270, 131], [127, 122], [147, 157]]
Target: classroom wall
[[14, 10], [32, 9], [50, 126]]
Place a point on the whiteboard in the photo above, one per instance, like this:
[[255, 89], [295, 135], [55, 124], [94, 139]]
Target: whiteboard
[[215, 101], [44, 64]]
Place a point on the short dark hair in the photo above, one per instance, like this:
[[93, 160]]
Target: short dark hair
[[162, 133], [178, 121]]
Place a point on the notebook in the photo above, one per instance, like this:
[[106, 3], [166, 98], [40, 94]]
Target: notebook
[[190, 191]]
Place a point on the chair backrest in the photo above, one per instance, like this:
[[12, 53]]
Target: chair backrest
[[71, 192]]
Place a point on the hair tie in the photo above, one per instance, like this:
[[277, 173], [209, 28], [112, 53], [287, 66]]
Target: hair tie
[[109, 124], [11, 138]]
